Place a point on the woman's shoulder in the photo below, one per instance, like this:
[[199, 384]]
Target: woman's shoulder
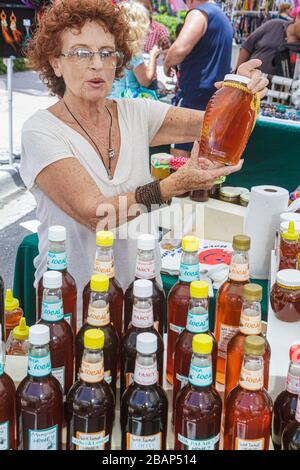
[[40, 120]]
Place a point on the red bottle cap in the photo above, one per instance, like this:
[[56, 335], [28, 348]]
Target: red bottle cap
[[295, 352]]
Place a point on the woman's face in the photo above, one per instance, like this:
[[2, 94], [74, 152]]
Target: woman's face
[[86, 78]]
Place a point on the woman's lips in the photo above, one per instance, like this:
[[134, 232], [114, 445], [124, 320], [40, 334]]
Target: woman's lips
[[95, 83]]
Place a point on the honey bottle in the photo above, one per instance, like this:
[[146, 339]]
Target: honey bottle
[[99, 318], [90, 402], [286, 402], [291, 434], [230, 300], [105, 264], [198, 408], [179, 297], [146, 269], [289, 248], [2, 320], [19, 345], [12, 314], [7, 405], [197, 322], [250, 325], [248, 407], [142, 322], [144, 404], [57, 261]]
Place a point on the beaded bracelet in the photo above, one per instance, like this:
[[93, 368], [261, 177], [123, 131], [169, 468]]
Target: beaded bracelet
[[150, 195]]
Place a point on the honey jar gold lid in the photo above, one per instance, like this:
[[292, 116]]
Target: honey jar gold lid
[[255, 345], [241, 242], [252, 292], [288, 278], [230, 192]]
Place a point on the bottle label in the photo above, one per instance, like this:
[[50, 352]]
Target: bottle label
[[239, 272], [43, 439], [252, 379], [203, 444], [1, 368], [129, 378], [297, 416], [39, 366], [98, 316], [91, 372], [226, 333], [189, 272], [59, 374], [145, 269], [145, 375], [176, 329], [90, 441], [52, 311], [57, 261], [4, 436], [105, 267], [182, 379], [200, 376], [249, 444], [68, 318], [108, 376], [142, 317], [293, 384], [153, 442], [250, 324], [197, 322]]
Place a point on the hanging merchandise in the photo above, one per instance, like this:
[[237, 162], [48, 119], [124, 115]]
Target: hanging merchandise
[[17, 24]]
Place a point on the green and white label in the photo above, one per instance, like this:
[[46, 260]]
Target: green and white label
[[57, 261], [200, 376], [199, 444], [4, 436], [189, 272], [52, 311], [39, 366], [182, 379], [59, 374], [1, 368], [197, 321], [43, 439], [176, 329]]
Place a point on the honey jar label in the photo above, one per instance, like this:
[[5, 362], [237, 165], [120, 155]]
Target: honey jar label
[[250, 322], [297, 416], [108, 376], [200, 376], [90, 441], [98, 316], [59, 374], [293, 384], [43, 439], [182, 379], [4, 436], [189, 272], [57, 261], [226, 333], [252, 379], [176, 328], [198, 444], [145, 375], [52, 311], [105, 267], [249, 444], [145, 269], [39, 366], [128, 379], [197, 321], [91, 372], [239, 272], [153, 442], [1, 368], [142, 317]]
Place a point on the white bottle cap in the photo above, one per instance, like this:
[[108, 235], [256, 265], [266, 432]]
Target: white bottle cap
[[57, 233], [142, 288], [284, 226], [288, 216], [39, 335], [146, 242], [288, 278], [146, 343], [236, 78], [52, 280]]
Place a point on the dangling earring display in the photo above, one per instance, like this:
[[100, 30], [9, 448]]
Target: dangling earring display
[[4, 28], [17, 35]]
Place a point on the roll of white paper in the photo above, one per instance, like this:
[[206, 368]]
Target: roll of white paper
[[261, 223]]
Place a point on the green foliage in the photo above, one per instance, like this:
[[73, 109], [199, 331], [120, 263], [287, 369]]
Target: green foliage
[[19, 65], [2, 67], [170, 22]]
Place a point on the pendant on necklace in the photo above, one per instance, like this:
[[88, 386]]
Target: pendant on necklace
[[111, 153], [110, 177]]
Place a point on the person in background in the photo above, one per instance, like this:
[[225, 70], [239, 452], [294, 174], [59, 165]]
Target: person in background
[[203, 50], [266, 40], [158, 34], [137, 74], [285, 12]]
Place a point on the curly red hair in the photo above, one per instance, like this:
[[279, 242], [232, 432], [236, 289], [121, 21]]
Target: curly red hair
[[73, 14]]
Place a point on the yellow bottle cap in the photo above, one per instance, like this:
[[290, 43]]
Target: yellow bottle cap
[[21, 331], [93, 339], [291, 234], [202, 344], [199, 289], [104, 238], [11, 303], [99, 283], [190, 243]]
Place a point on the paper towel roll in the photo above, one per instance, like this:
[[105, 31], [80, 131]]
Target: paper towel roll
[[261, 222]]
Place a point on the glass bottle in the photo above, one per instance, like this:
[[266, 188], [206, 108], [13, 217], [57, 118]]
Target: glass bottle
[[39, 398], [19, 344], [142, 321], [198, 408], [250, 324], [90, 402], [105, 264], [230, 300], [2, 320], [12, 313], [285, 295], [248, 407], [146, 269], [99, 318], [144, 405], [291, 433], [61, 334], [289, 248], [179, 297], [286, 402], [197, 322], [7, 405], [57, 261]]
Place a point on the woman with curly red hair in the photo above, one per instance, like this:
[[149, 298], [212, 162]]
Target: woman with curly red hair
[[86, 158]]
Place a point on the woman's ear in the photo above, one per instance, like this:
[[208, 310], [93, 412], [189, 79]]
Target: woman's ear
[[56, 65]]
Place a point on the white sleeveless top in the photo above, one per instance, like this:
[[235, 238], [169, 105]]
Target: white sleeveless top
[[46, 139]]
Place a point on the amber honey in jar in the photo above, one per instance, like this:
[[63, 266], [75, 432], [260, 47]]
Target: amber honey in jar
[[285, 295], [229, 120], [160, 165]]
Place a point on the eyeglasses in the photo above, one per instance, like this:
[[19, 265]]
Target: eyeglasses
[[84, 57]]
